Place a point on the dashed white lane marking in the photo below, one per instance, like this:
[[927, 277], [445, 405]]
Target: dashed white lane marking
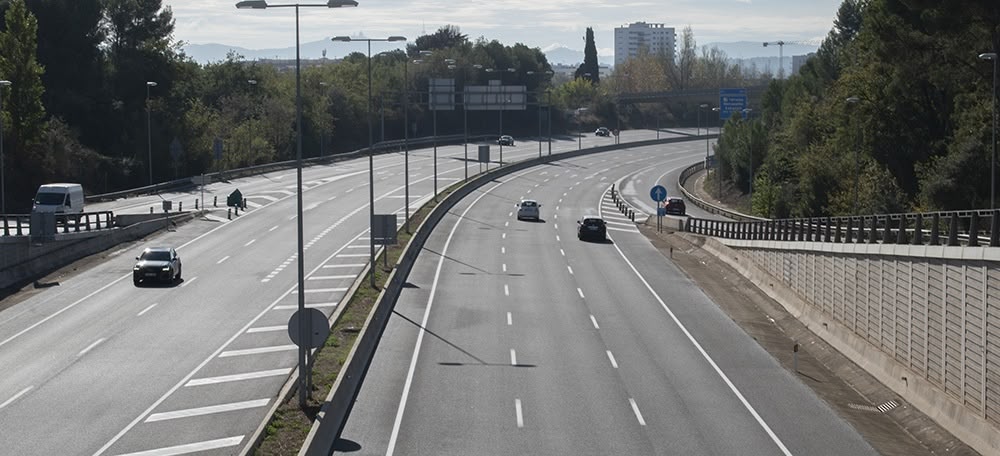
[[563, 252], [513, 357], [332, 198], [223, 260], [536, 185], [570, 268], [557, 207], [272, 228], [555, 215], [146, 310], [238, 377], [503, 236], [517, 410], [638, 414], [321, 290], [564, 194], [249, 242], [594, 321], [260, 329], [503, 250], [292, 217], [257, 351], [510, 320], [505, 267], [310, 305], [614, 363], [506, 290], [506, 224], [357, 265], [188, 282], [90, 347], [191, 447], [578, 290], [208, 410], [511, 214], [528, 192], [15, 397], [555, 225], [557, 238], [333, 277]]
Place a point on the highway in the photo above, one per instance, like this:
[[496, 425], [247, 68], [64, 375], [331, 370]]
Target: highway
[[96, 366], [515, 337]]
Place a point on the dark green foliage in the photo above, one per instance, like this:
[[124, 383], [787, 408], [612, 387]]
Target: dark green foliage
[[589, 66]]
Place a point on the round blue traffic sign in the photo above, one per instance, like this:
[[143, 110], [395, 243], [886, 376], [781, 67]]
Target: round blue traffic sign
[[658, 193]]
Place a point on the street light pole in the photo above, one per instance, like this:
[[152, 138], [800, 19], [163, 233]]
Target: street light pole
[[3, 181], [149, 134], [718, 166], [747, 111], [548, 112], [303, 323], [371, 152], [993, 158], [857, 161]]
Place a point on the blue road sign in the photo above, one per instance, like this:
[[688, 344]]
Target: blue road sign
[[730, 101], [658, 193]]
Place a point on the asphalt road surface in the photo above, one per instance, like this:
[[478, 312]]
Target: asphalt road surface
[[515, 337], [96, 366]]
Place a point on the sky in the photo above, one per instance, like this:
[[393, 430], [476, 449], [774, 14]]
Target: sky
[[544, 24]]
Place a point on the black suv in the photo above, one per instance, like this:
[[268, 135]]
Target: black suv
[[592, 228], [675, 206], [157, 263], [603, 131]]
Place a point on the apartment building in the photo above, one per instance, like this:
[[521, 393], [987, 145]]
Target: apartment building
[[633, 38]]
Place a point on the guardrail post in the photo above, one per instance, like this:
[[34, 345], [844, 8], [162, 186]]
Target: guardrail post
[[6, 226], [836, 234], [918, 230], [196, 204], [793, 230], [180, 206], [901, 233], [151, 210], [887, 231], [873, 232], [229, 213], [861, 230], [215, 201], [17, 220], [935, 229], [953, 229], [995, 229], [974, 230]]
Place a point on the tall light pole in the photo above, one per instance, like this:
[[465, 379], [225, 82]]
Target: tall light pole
[[548, 113], [149, 133], [747, 112], [993, 158], [371, 153], [539, 112], [432, 105], [503, 105], [700, 108], [303, 328], [3, 182], [857, 161], [718, 166]]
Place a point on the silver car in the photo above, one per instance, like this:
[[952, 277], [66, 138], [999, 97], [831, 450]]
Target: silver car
[[528, 209]]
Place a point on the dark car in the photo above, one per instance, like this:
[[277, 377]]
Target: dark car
[[603, 131], [157, 264], [592, 228], [675, 206], [506, 140]]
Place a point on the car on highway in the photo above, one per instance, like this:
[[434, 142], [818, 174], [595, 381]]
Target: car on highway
[[602, 131], [157, 264], [506, 140], [675, 206], [528, 209], [592, 228]]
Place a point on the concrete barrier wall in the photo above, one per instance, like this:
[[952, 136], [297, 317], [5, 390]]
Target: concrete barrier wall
[[926, 326], [23, 261]]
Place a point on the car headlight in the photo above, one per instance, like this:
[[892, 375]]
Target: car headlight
[[166, 268], [135, 268]]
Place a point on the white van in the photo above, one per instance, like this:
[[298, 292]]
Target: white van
[[59, 198]]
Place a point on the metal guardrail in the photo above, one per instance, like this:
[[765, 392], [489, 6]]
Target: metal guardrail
[[19, 224], [705, 205]]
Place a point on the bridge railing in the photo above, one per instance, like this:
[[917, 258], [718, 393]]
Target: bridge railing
[[19, 224]]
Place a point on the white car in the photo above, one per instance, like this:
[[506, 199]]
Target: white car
[[528, 209]]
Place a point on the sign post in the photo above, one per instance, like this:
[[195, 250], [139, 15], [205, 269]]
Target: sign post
[[658, 193]]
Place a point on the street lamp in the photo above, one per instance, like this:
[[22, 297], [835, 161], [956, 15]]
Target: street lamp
[[303, 328], [857, 162], [718, 166], [149, 134], [539, 111], [503, 105], [3, 183], [747, 112], [993, 158], [432, 105]]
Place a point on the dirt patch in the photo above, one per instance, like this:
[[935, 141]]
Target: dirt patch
[[850, 391]]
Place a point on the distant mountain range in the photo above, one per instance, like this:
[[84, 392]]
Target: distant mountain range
[[556, 54]]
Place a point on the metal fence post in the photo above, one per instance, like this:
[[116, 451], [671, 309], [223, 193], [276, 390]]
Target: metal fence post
[[836, 235], [849, 237], [995, 229], [873, 232], [974, 229], [887, 231], [901, 232], [935, 229], [918, 230], [953, 229]]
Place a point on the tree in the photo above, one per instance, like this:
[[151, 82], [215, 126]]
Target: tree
[[18, 64], [590, 65], [446, 37]]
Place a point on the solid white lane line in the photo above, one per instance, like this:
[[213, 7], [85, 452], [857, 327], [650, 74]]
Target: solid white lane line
[[90, 347], [321, 290], [15, 397], [190, 447], [353, 255], [328, 266], [506, 290], [146, 310], [261, 329], [563, 252], [309, 305], [208, 410], [624, 230], [238, 377], [614, 363], [609, 222], [250, 242], [189, 281], [570, 269], [513, 357], [594, 321], [638, 414], [510, 320], [578, 290], [333, 277], [223, 260], [257, 351], [366, 246], [517, 410], [505, 267]]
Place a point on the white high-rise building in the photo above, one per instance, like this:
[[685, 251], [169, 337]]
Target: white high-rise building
[[630, 40]]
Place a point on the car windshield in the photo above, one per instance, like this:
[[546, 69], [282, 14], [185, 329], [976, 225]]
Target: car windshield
[[155, 255], [593, 222], [528, 204], [49, 198]]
